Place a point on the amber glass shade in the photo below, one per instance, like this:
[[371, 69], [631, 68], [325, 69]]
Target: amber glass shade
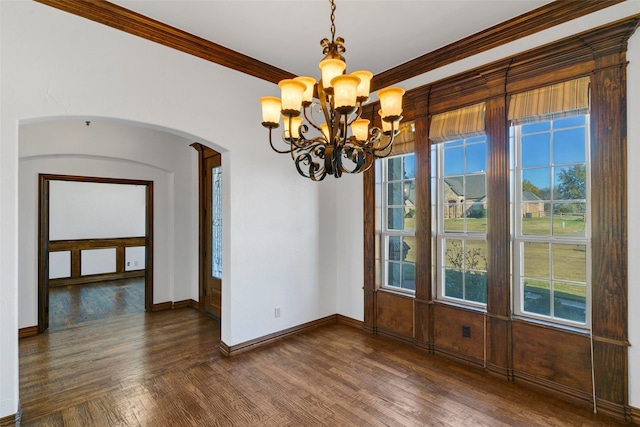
[[331, 68], [291, 91], [344, 93], [391, 102], [365, 84], [360, 129], [295, 126], [387, 126], [309, 82], [270, 110]]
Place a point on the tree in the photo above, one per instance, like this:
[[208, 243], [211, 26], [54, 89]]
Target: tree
[[531, 187], [572, 183]]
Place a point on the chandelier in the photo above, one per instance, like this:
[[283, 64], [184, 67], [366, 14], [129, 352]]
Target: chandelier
[[343, 142]]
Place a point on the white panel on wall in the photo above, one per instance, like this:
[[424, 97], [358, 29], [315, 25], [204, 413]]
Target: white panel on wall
[[97, 261], [59, 264], [134, 258], [91, 210]]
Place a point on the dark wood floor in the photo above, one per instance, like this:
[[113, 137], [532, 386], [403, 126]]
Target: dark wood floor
[[164, 369], [73, 304]]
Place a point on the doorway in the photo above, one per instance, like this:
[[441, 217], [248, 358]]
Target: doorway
[[83, 255], [210, 168]]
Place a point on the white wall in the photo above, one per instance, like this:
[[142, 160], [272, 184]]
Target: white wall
[[95, 210], [56, 65]]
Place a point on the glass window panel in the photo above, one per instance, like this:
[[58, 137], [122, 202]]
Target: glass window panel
[[395, 218], [476, 217], [453, 218], [536, 127], [454, 255], [453, 161], [476, 255], [216, 222], [531, 224], [409, 193], [394, 168], [536, 150], [570, 182], [395, 195], [393, 274], [454, 143], [537, 297], [570, 262], [569, 122], [475, 286], [395, 248], [453, 283], [568, 146], [570, 302], [479, 138], [537, 182], [569, 219], [409, 248], [409, 276], [476, 160], [536, 258], [409, 166]]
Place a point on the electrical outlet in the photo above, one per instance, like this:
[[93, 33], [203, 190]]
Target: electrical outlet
[[277, 312], [466, 331], [128, 263]]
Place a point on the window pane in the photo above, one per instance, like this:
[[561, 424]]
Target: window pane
[[475, 284], [453, 161], [569, 219], [537, 297], [569, 122], [409, 276], [395, 194], [409, 166], [536, 150], [393, 274], [453, 283], [394, 168], [454, 256], [536, 260], [453, 217], [536, 225], [395, 248], [537, 182], [570, 262], [395, 217], [476, 158], [570, 182], [476, 255], [476, 217], [409, 248], [536, 127], [570, 302], [216, 222], [568, 146]]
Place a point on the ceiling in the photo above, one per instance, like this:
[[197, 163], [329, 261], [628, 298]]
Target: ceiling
[[286, 33]]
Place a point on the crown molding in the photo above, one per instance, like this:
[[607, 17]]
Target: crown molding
[[139, 25]]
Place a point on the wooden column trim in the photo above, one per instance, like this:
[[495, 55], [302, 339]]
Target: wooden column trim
[[423, 324], [369, 212]]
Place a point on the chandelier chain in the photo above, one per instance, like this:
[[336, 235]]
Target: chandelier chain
[[333, 17]]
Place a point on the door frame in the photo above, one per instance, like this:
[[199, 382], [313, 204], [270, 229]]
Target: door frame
[[204, 235], [43, 238]]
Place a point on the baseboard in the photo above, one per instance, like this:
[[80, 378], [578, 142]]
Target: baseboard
[[12, 420], [349, 321], [185, 303], [458, 357], [393, 335], [635, 415], [29, 331], [552, 388], [253, 344], [162, 306], [619, 412]]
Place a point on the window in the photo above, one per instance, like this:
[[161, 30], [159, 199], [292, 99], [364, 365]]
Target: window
[[396, 183], [552, 237], [461, 215]]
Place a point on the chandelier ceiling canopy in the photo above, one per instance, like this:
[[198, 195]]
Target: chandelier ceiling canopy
[[343, 141]]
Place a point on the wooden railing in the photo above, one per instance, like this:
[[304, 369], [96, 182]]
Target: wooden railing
[[77, 246]]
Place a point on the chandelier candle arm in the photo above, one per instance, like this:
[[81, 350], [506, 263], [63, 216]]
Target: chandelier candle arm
[[345, 142]]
